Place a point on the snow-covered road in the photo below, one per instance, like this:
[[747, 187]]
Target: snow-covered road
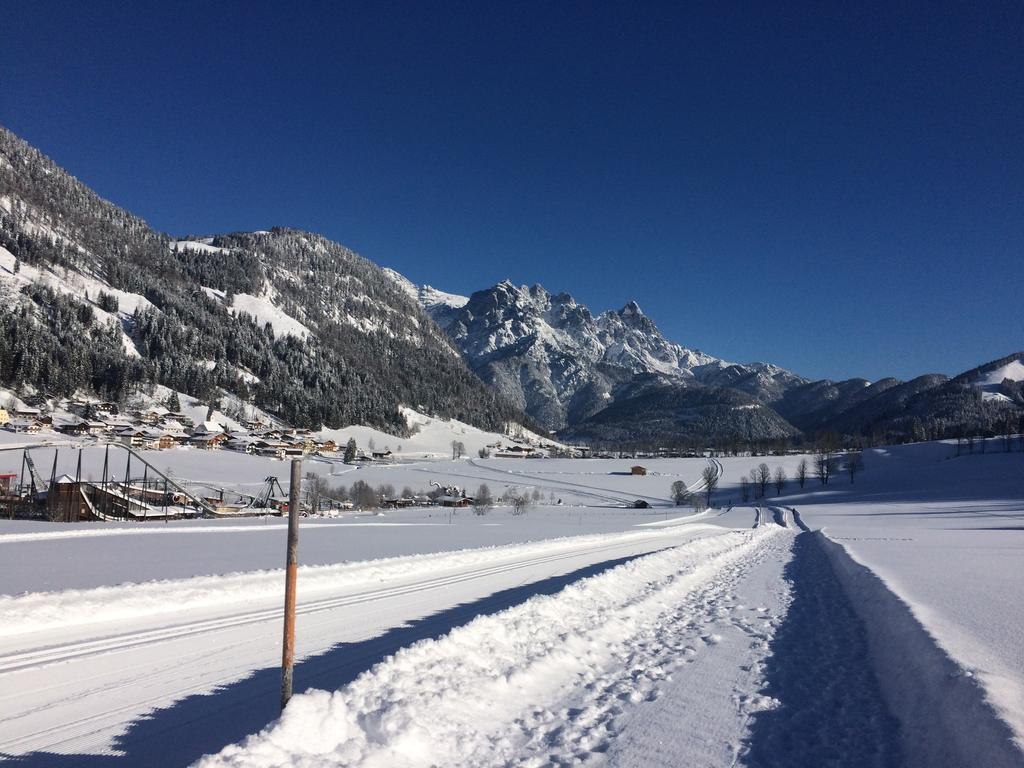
[[79, 670]]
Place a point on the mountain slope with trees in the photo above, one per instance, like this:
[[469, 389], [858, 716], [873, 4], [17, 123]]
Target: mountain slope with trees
[[98, 300]]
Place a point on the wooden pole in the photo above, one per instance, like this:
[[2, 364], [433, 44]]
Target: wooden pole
[[78, 488], [291, 567]]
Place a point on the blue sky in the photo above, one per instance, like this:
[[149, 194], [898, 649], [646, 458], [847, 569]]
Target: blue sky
[[837, 188]]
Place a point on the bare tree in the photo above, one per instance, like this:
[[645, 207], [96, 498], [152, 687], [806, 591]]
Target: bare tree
[[780, 480], [679, 493], [744, 489], [483, 500], [363, 495], [824, 465], [520, 504], [316, 487], [854, 464], [709, 476], [801, 472], [457, 449], [763, 477]]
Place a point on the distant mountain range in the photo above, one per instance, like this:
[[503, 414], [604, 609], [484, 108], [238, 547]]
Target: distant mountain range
[[615, 378], [305, 329]]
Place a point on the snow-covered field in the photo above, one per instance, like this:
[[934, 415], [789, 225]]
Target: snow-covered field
[[879, 624]]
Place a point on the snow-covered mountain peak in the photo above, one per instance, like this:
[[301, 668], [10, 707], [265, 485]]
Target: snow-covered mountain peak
[[549, 353]]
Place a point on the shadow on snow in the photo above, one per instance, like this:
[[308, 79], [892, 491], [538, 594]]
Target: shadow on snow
[[830, 710]]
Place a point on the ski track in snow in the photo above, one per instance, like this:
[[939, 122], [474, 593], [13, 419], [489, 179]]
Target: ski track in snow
[[40, 611], [542, 683]]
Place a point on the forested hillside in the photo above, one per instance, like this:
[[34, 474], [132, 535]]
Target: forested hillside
[[94, 299]]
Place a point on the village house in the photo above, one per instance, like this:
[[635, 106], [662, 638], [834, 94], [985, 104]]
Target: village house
[[83, 427], [117, 423], [513, 452], [241, 442], [207, 428], [152, 415], [26, 426], [171, 425], [133, 437], [208, 441], [163, 440], [451, 501], [4, 417]]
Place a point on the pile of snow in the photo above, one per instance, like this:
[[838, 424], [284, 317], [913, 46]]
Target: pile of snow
[[947, 710]]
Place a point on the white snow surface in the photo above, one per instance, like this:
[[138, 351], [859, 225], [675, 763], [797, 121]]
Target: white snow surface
[[263, 310], [1014, 371], [200, 246]]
